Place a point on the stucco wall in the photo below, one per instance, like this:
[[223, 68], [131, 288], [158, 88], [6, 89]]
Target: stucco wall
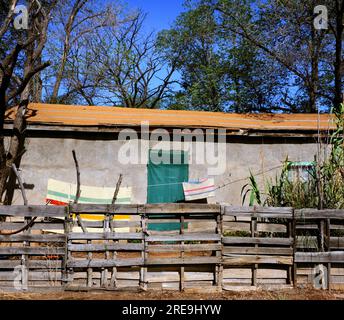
[[52, 158]]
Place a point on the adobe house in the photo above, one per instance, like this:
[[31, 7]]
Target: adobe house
[[111, 140]]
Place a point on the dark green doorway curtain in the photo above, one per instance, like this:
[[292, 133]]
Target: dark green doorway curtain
[[165, 180]]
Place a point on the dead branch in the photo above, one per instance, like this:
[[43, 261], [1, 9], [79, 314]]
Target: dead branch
[[32, 221], [78, 191], [118, 185], [21, 185]]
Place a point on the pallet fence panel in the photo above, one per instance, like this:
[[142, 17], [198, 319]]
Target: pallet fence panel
[[170, 247], [257, 247], [183, 247], [320, 250], [109, 249], [32, 252]]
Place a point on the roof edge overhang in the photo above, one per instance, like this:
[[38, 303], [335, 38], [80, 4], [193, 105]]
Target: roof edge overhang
[[106, 129]]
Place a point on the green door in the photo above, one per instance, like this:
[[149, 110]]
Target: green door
[[165, 180]]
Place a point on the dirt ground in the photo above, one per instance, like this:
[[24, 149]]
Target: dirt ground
[[298, 294]]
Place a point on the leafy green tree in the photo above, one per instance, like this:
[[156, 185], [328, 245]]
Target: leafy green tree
[[284, 32], [221, 70], [203, 69]]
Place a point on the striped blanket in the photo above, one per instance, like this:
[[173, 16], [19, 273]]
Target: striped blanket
[[200, 189], [62, 193]]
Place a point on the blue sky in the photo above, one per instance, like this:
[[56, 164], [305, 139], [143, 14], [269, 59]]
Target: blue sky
[[161, 13]]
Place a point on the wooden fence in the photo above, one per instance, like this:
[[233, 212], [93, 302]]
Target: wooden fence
[[320, 243], [211, 248], [258, 247]]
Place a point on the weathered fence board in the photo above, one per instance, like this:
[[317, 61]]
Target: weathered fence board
[[185, 237], [106, 236], [106, 247], [313, 214], [32, 251], [319, 257], [257, 250], [262, 241], [182, 261], [104, 263], [34, 238], [33, 211], [259, 212], [10, 226], [32, 264], [185, 247]]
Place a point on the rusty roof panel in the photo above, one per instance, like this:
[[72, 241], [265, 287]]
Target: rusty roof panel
[[67, 115]]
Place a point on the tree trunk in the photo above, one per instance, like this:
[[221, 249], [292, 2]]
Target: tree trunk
[[32, 47], [17, 145], [3, 167], [16, 148], [79, 4], [37, 85]]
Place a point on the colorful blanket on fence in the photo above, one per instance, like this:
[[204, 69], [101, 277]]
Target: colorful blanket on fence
[[62, 193], [200, 189]]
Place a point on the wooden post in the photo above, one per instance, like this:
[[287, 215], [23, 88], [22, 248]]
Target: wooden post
[[321, 242], [328, 248], [25, 260], [290, 268], [104, 277], [328, 235], [294, 223], [89, 270], [219, 267], [65, 258], [143, 270], [113, 281], [255, 266], [69, 229], [182, 268], [322, 236], [28, 222]]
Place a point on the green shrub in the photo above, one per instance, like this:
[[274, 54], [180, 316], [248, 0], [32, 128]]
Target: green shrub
[[324, 188]]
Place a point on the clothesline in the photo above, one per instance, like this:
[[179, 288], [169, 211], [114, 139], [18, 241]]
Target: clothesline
[[225, 184]]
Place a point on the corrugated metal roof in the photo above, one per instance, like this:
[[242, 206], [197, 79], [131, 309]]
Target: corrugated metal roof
[[67, 115]]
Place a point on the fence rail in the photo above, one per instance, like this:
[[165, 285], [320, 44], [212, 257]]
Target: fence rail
[[169, 247]]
